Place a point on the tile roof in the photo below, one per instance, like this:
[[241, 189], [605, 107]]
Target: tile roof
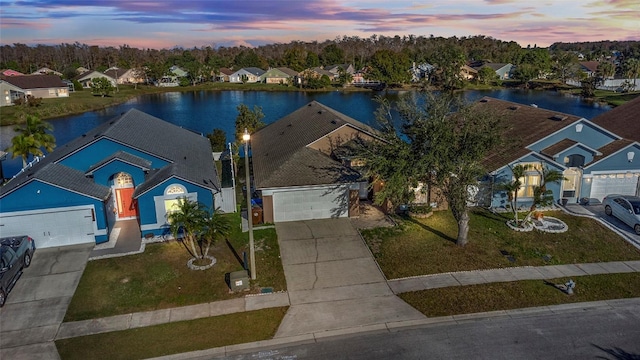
[[189, 153], [280, 154], [623, 120], [36, 81], [523, 125]]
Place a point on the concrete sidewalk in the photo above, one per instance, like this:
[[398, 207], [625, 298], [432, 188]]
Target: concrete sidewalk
[[157, 317], [475, 277]]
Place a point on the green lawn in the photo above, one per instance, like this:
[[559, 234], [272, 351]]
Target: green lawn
[[427, 246], [175, 337], [521, 294], [159, 277]]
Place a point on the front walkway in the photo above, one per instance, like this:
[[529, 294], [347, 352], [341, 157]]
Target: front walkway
[[125, 239]]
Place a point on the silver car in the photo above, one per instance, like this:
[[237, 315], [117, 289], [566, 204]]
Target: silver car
[[625, 208]]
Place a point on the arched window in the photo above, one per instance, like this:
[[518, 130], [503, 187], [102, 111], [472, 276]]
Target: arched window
[[122, 180], [175, 190], [173, 194]]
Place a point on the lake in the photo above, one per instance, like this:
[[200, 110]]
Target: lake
[[203, 111]]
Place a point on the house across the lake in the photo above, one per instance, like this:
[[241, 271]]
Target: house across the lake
[[39, 86], [134, 166]]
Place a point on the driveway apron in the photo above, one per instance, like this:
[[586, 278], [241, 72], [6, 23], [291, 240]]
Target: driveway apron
[[332, 280], [37, 304]]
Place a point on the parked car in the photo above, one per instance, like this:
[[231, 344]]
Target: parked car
[[624, 207], [16, 253]]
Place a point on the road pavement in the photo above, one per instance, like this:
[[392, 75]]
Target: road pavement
[[599, 330]]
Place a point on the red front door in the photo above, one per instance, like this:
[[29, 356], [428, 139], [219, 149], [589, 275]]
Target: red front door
[[125, 203]]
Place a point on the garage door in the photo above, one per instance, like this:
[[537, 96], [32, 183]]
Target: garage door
[[51, 227], [322, 203], [623, 183]]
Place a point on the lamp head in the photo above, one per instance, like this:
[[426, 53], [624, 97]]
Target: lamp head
[[246, 136]]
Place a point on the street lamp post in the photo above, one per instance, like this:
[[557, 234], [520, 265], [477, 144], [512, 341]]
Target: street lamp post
[[252, 256]]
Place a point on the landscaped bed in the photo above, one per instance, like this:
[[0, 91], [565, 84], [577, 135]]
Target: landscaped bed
[[427, 246], [521, 294], [176, 337], [159, 277]]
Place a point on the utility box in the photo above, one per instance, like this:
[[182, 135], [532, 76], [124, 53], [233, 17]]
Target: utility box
[[256, 215], [239, 280]]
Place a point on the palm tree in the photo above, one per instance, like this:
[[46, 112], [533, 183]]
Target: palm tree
[[541, 195], [194, 225], [512, 188], [32, 137], [632, 69], [216, 227], [187, 223], [23, 146]]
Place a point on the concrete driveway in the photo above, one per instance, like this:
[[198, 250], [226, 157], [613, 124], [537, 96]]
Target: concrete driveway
[[37, 304], [626, 230], [333, 281]]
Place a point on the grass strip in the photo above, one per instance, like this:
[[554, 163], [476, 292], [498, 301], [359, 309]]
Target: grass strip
[[521, 294], [173, 338]]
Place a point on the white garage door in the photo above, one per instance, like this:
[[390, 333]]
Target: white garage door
[[623, 183], [321, 203], [51, 227]]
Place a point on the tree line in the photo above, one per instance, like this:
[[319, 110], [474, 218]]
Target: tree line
[[386, 57]]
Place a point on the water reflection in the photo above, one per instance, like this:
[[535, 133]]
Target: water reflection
[[203, 111]]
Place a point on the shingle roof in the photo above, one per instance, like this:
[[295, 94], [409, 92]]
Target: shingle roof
[[288, 71], [280, 154], [561, 145], [610, 148], [72, 179], [189, 153], [254, 70], [116, 73], [36, 81], [123, 156], [623, 120], [523, 126]]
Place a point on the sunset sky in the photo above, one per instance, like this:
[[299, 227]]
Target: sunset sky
[[189, 23]]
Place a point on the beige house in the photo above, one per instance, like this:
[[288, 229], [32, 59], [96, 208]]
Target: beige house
[[86, 79], [125, 76], [9, 93], [40, 86], [298, 168]]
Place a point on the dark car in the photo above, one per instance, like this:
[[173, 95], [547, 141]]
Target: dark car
[[625, 208], [16, 253]]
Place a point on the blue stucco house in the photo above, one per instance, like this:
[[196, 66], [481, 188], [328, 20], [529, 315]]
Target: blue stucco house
[[597, 157], [134, 166]]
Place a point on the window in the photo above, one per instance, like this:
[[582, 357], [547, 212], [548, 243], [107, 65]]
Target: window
[[123, 179], [530, 180], [175, 190]]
